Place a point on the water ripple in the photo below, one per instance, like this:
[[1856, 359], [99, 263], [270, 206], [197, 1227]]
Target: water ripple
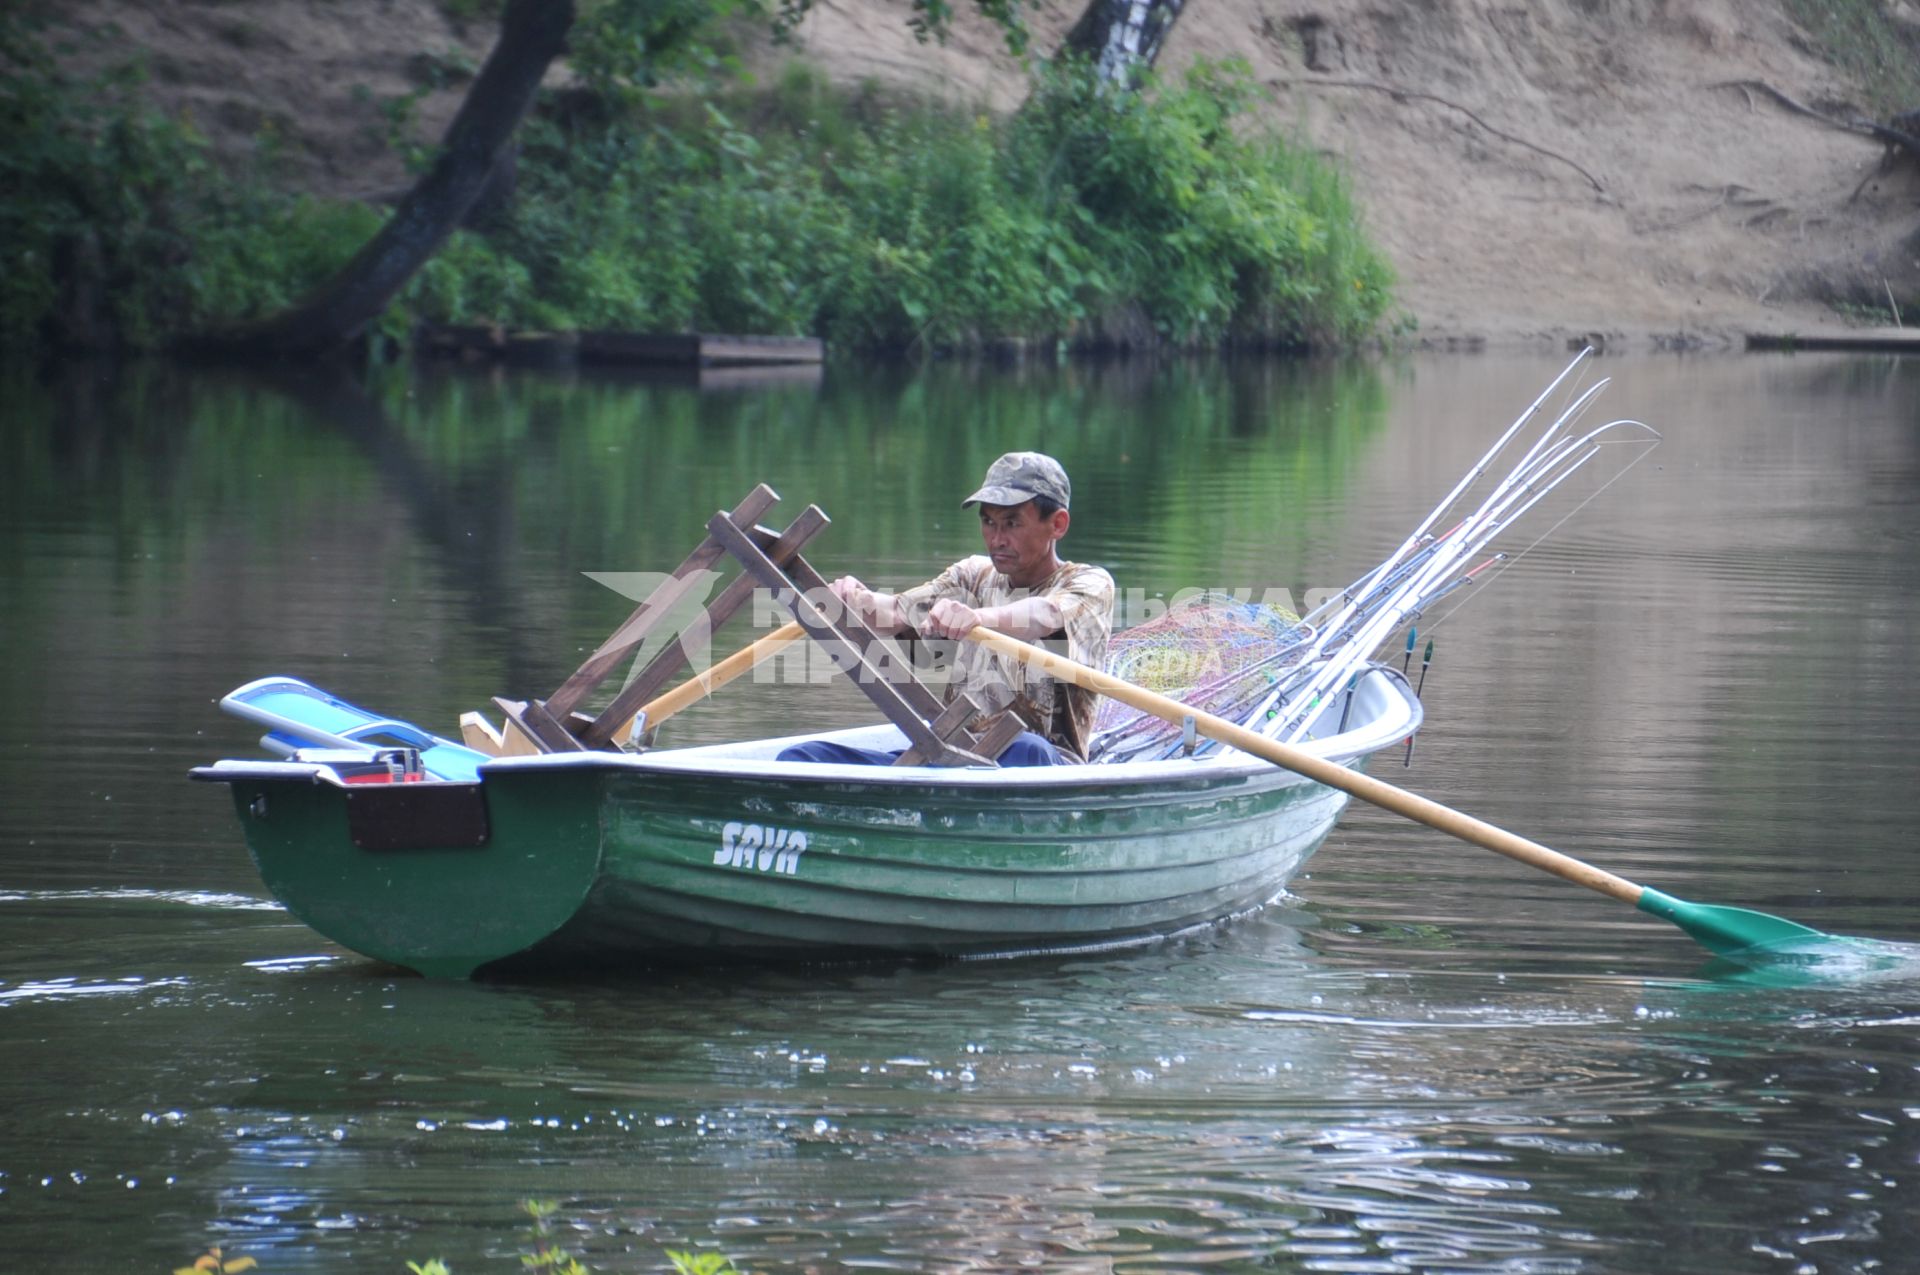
[[183, 898], [65, 989]]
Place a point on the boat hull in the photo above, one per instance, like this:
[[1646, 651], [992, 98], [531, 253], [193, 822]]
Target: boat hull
[[611, 867], [723, 865], [418, 893], [726, 851]]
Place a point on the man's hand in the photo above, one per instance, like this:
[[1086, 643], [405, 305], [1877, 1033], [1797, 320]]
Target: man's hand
[[951, 619], [853, 595], [876, 609]]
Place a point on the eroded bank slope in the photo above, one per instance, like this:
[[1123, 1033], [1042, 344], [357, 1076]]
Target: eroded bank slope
[[1544, 171]]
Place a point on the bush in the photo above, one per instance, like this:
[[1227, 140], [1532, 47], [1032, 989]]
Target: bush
[[118, 226], [100, 193], [801, 210], [915, 227]]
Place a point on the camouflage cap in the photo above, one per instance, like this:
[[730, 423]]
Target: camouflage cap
[[1018, 477]]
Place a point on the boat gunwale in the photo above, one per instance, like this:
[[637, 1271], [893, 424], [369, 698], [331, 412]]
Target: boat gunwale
[[1399, 718], [1384, 729]]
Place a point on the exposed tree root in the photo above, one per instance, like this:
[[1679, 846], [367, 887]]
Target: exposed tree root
[[1403, 94], [1902, 132]]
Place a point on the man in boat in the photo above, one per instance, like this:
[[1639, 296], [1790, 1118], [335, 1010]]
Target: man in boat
[[1019, 587]]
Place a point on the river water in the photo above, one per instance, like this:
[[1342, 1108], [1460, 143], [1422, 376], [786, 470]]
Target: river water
[[1426, 1058]]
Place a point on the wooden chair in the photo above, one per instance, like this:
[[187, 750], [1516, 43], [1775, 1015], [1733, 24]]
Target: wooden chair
[[938, 734]]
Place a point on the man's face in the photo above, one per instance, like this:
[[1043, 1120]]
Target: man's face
[[1020, 541]]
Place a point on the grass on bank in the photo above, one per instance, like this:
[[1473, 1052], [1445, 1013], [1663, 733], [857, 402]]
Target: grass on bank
[[1088, 217], [1864, 40]]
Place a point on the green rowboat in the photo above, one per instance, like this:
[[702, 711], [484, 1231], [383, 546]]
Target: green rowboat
[[611, 858]]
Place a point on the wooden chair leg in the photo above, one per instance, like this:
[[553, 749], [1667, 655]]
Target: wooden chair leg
[[950, 728], [611, 724], [685, 578], [996, 737]]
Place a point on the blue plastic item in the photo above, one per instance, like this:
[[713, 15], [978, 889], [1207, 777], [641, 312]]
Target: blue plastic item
[[298, 715]]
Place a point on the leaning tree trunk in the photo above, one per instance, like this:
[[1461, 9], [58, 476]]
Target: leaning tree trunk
[[1121, 37], [532, 34]]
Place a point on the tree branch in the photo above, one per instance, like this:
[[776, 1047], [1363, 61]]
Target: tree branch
[[532, 34]]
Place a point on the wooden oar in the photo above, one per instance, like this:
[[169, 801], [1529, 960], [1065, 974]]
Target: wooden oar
[[1726, 931], [701, 685]]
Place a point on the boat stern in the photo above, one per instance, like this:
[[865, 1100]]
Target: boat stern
[[439, 877]]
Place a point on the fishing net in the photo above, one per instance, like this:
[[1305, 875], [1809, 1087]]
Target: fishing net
[[1212, 651]]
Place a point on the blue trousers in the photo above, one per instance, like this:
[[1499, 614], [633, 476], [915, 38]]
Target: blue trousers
[[1027, 749]]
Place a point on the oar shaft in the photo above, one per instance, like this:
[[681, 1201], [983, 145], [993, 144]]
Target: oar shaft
[[701, 685], [1413, 806]]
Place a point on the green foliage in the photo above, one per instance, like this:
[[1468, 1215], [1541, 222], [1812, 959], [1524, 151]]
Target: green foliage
[[257, 253], [802, 209], [109, 198], [701, 1263], [1883, 312], [1863, 39], [927, 19], [432, 1266], [213, 1262], [547, 1256], [99, 191], [621, 47], [1216, 235], [470, 280], [400, 114]]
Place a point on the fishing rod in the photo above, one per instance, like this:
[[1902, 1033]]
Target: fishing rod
[[1235, 709], [1460, 581], [1362, 596], [1591, 496], [1463, 533], [1496, 513], [1322, 653], [1463, 579], [1426, 599], [1353, 617], [1362, 641], [1480, 466], [1117, 742], [1545, 467], [1365, 600]]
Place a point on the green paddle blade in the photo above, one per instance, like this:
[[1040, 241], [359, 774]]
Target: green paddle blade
[[1728, 931]]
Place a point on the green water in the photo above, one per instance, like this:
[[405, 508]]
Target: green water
[[1426, 1059]]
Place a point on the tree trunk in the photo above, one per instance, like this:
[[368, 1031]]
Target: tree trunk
[[1121, 37], [532, 34]]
